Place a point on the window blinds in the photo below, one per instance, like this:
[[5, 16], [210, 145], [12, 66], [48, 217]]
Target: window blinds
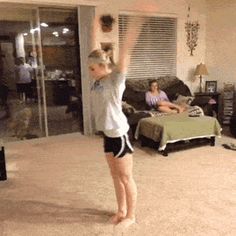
[[155, 52]]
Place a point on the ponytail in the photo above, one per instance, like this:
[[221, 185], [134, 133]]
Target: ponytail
[[99, 56]]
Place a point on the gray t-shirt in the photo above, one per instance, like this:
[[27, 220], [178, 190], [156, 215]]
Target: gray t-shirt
[[107, 105]]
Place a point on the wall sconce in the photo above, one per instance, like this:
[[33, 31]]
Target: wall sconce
[[191, 28]]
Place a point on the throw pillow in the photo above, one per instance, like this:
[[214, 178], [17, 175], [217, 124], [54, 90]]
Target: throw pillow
[[127, 108], [183, 100]]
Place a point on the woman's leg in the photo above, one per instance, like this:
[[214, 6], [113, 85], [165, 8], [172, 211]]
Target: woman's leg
[[166, 109], [171, 106], [27, 93], [119, 190], [124, 169]]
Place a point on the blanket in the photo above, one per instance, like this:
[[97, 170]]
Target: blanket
[[193, 111], [177, 127]]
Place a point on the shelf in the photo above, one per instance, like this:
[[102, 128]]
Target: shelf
[[228, 103]]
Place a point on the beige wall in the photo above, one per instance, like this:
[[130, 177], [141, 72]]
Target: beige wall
[[54, 2], [176, 8], [220, 40]]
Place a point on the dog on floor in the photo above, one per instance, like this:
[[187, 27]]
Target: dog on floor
[[19, 123]]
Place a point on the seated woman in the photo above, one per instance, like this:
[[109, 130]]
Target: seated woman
[[157, 99]]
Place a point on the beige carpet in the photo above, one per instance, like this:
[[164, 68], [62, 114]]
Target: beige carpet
[[61, 186]]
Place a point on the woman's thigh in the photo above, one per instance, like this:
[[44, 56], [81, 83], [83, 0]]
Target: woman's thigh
[[121, 166], [165, 109], [124, 166], [110, 162]]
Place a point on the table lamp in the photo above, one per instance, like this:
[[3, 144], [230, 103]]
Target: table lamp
[[201, 70]]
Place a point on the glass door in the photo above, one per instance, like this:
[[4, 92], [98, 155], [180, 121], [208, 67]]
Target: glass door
[[40, 79], [21, 104], [61, 59]]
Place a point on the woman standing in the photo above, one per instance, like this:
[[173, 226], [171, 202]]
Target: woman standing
[[107, 92]]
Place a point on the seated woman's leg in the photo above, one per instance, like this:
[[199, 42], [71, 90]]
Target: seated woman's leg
[[171, 106], [166, 109]]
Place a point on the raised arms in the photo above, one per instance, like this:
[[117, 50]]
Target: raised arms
[[133, 31]]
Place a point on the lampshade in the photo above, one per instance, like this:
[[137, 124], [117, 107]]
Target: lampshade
[[201, 70]]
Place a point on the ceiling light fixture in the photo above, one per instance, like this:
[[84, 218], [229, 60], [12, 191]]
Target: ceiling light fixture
[[65, 30], [43, 24], [55, 33]]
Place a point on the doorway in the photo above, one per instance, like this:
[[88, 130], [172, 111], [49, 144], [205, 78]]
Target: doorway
[[40, 78]]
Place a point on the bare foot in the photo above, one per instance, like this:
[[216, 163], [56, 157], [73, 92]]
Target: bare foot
[[126, 222], [117, 218], [181, 109], [120, 228], [174, 111]]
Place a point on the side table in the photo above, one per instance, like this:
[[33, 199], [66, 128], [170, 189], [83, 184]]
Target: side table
[[215, 103]]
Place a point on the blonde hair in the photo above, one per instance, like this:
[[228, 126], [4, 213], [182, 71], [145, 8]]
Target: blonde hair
[[99, 56]]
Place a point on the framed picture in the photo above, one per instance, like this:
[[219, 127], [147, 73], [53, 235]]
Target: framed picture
[[211, 86]]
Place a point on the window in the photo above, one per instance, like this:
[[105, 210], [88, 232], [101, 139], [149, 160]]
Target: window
[[155, 52]]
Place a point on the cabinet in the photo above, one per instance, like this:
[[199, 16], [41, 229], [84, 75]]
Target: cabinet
[[228, 103], [214, 101]]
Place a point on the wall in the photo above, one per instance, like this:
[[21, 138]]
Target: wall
[[54, 2], [220, 41]]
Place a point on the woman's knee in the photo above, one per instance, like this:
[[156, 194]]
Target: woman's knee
[[125, 178], [114, 174]]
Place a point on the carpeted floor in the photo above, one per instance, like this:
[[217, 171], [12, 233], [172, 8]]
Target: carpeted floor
[[61, 186]]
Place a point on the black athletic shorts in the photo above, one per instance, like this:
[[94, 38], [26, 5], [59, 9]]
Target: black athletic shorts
[[24, 88], [118, 146]]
